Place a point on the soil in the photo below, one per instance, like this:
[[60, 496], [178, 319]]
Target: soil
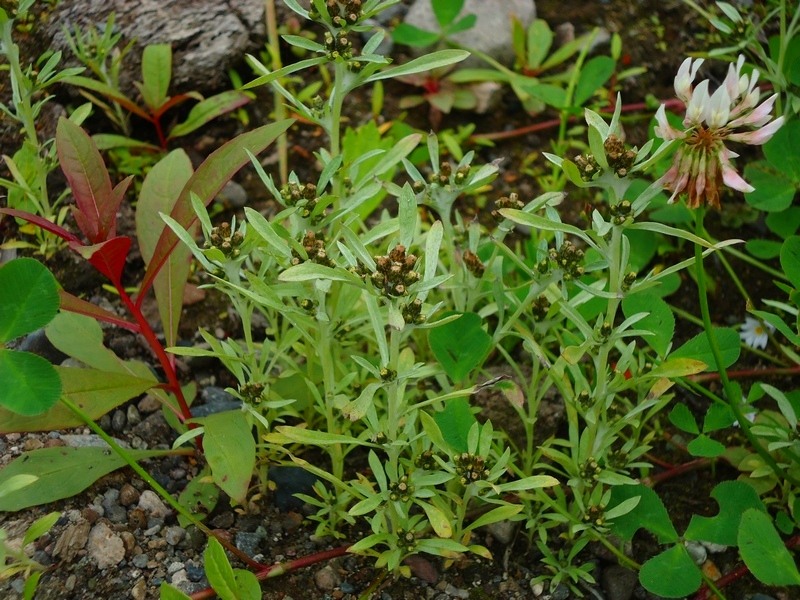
[[656, 34]]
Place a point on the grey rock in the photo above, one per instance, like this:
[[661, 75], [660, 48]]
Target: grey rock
[[105, 547], [326, 579], [116, 514], [249, 542], [140, 561], [207, 36], [232, 195], [37, 343], [151, 504], [175, 567], [502, 531], [133, 416], [560, 593], [194, 571], [492, 31], [215, 400], [174, 535], [89, 440], [118, 420], [618, 582]]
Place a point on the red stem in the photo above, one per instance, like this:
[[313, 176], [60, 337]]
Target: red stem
[[167, 362], [745, 373], [280, 568], [673, 103]]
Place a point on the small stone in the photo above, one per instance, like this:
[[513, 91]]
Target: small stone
[[223, 521], [69, 584], [174, 567], [128, 495], [118, 420], [104, 546], [151, 504], [148, 404], [132, 415], [326, 579], [71, 541], [502, 531], [697, 551], [455, 592], [248, 542], [194, 571], [139, 590], [129, 540], [179, 577], [32, 444], [560, 593], [174, 535], [140, 560], [232, 195]]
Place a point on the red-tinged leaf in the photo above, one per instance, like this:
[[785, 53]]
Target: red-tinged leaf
[[82, 307], [88, 178], [107, 257], [175, 101], [208, 109], [41, 222], [160, 190], [206, 182], [117, 195], [110, 93]]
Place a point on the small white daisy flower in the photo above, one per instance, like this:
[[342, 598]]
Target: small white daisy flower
[[754, 333]]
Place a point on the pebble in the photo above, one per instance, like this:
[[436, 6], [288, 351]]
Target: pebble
[[194, 571], [174, 567], [697, 551], [174, 535], [151, 503], [104, 546], [128, 495], [148, 404], [179, 577], [455, 592], [132, 415], [139, 590], [326, 579], [232, 195], [118, 420], [72, 540], [140, 560], [69, 584], [502, 531], [249, 542]]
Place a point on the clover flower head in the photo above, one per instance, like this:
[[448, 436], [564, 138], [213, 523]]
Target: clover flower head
[[730, 113], [754, 333]]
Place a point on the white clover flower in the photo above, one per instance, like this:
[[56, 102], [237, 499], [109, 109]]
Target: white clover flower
[[703, 162], [754, 333]]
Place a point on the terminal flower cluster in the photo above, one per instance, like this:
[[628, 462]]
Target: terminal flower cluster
[[731, 113]]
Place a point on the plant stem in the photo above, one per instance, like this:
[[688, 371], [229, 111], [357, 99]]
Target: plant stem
[[280, 108], [731, 394]]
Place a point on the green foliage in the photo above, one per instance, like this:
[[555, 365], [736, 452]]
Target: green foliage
[[28, 300], [460, 345], [699, 348], [228, 583], [447, 18], [14, 560]]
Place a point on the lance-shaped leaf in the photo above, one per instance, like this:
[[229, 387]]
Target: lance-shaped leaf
[[209, 109], [206, 183], [82, 307], [96, 205], [230, 451], [161, 189], [156, 75]]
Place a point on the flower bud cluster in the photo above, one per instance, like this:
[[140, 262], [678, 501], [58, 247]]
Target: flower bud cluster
[[470, 468], [401, 490], [252, 392], [412, 312], [620, 212], [618, 157], [510, 201], [302, 194], [406, 540], [225, 240], [341, 12], [590, 470], [395, 273], [315, 250], [595, 515], [338, 46], [446, 175], [540, 308], [587, 166], [473, 263], [568, 258], [426, 461]]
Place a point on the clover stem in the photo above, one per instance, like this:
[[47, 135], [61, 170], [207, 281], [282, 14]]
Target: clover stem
[[731, 394]]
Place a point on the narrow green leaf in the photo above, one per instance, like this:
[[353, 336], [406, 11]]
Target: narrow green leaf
[[230, 451], [501, 513], [439, 521], [309, 271], [219, 571], [28, 298], [156, 75], [442, 58], [167, 592], [764, 552], [790, 260], [39, 527], [209, 109]]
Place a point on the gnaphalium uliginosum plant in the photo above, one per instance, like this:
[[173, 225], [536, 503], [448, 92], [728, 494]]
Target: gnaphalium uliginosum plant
[[346, 307]]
